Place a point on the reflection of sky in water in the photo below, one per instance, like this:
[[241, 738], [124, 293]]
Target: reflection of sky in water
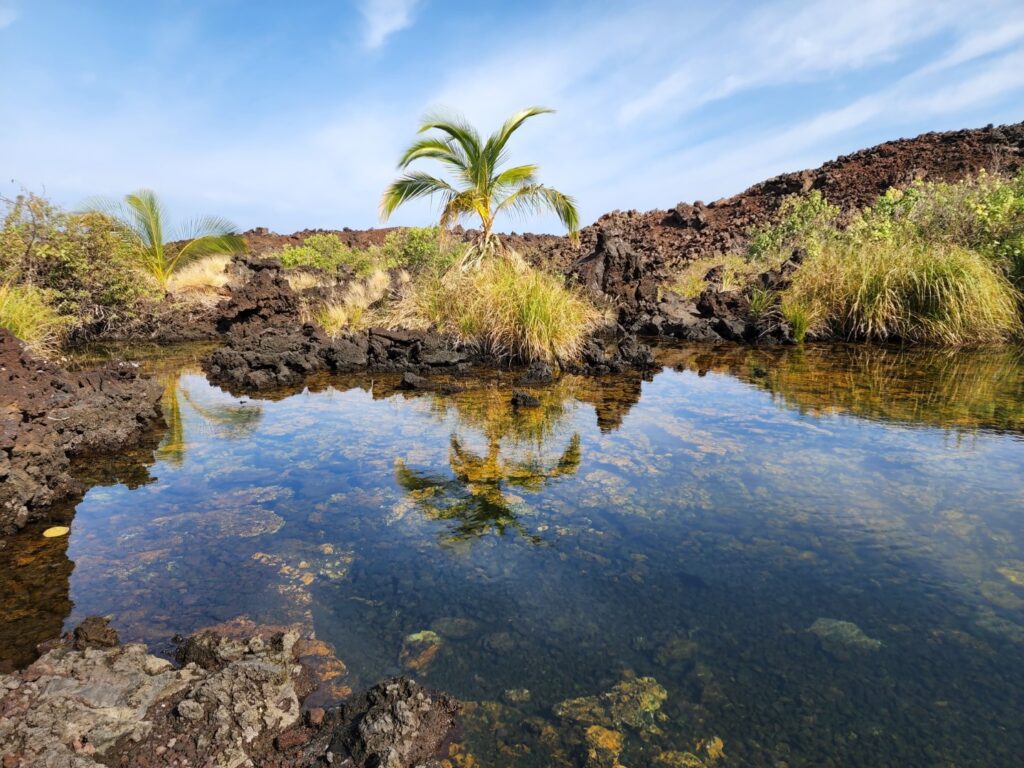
[[696, 543]]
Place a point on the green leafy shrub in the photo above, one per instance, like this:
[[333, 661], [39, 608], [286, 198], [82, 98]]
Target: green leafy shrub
[[985, 214], [414, 248], [81, 261], [801, 219], [326, 252], [418, 248]]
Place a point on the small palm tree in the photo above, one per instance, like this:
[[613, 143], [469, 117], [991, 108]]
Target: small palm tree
[[480, 187], [143, 216]]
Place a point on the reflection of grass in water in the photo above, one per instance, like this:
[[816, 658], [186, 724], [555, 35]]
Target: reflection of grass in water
[[226, 420], [955, 389], [476, 496]]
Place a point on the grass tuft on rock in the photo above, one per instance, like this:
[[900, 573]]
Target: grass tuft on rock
[[939, 263], [504, 308], [206, 275], [27, 312], [911, 290]]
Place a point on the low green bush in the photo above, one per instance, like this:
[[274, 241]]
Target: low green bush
[[80, 261], [414, 248], [326, 252], [801, 218], [419, 248]]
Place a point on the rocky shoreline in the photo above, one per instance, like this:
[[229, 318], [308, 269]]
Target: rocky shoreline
[[52, 419], [233, 699], [268, 346]]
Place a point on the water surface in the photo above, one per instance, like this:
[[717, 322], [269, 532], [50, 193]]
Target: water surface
[[801, 557]]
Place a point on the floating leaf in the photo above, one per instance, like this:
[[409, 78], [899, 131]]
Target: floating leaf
[[56, 531]]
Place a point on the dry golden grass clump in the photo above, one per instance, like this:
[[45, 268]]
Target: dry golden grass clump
[[355, 309], [206, 275]]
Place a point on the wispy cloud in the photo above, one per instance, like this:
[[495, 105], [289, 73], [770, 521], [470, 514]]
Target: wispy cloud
[[649, 113], [8, 15], [385, 17]]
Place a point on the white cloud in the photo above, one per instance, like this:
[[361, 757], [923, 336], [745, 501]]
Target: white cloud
[[786, 44], [8, 16], [385, 17], [649, 112]]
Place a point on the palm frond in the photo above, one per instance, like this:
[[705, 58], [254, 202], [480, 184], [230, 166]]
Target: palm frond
[[447, 151], [411, 186], [201, 226], [207, 245], [515, 177], [458, 205], [147, 216], [495, 146], [458, 129], [533, 198]]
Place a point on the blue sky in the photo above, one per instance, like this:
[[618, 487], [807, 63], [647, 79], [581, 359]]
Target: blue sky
[[291, 115]]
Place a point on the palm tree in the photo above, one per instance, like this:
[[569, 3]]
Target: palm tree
[[143, 216], [480, 188]]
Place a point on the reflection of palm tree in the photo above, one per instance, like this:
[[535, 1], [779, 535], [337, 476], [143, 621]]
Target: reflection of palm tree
[[227, 420], [172, 449], [475, 497]]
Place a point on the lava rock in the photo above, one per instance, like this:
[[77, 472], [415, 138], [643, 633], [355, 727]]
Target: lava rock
[[94, 632], [49, 416], [522, 399]]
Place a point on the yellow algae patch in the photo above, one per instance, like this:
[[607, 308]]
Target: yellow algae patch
[[1013, 575], [678, 760], [714, 748], [603, 747], [634, 702], [56, 531]]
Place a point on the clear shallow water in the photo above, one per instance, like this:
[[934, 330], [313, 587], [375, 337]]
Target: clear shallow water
[[815, 556]]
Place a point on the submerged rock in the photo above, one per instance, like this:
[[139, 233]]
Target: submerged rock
[[454, 627], [419, 650], [841, 638], [603, 747], [634, 702], [522, 399]]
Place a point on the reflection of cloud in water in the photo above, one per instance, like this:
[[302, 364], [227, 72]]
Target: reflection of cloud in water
[[190, 404]]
